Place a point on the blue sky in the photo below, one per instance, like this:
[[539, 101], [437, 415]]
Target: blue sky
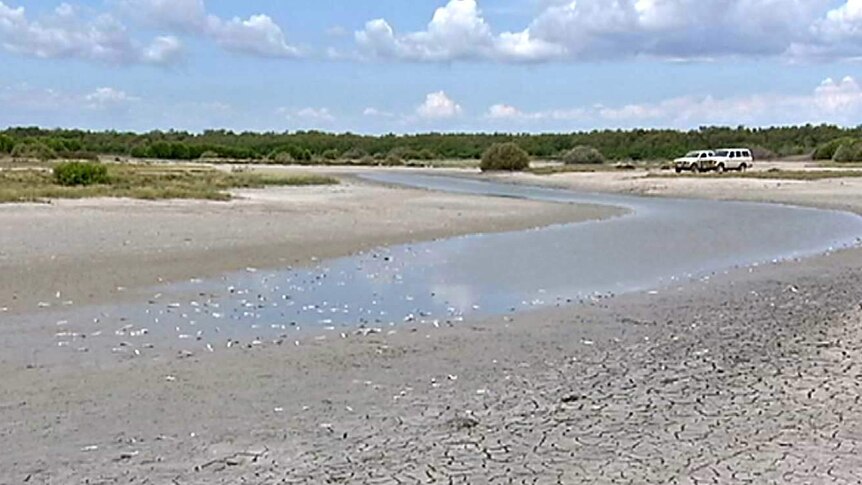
[[376, 66]]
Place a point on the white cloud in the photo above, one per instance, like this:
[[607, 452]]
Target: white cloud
[[35, 99], [257, 35], [65, 34], [165, 49], [438, 106], [504, 112], [374, 112], [311, 114], [831, 102], [607, 29], [108, 98]]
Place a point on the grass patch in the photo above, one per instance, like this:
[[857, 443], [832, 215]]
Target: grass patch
[[586, 168], [148, 182], [805, 175]]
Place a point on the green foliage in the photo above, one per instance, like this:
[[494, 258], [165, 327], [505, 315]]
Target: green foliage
[[849, 151], [80, 173], [505, 156], [6, 144], [33, 151], [283, 158], [331, 154], [209, 155], [304, 146], [583, 155], [393, 160], [354, 154], [827, 150]]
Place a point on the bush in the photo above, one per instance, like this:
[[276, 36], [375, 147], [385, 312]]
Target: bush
[[33, 151], [354, 154], [393, 160], [760, 153], [80, 173], [850, 151], [283, 158], [583, 155], [827, 150], [6, 144], [209, 155], [505, 156]]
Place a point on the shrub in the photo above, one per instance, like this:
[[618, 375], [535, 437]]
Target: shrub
[[33, 151], [6, 144], [284, 158], [850, 151], [331, 154], [505, 156], [827, 150], [583, 155], [354, 154], [80, 173], [209, 155], [393, 160], [760, 153]]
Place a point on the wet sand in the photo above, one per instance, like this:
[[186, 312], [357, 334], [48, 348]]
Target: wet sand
[[93, 251], [749, 377]]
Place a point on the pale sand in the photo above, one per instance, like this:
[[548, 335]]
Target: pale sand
[[747, 377], [87, 249], [837, 193]]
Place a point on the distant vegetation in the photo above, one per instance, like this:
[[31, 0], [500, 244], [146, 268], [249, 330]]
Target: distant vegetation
[[311, 147], [84, 180], [505, 156]]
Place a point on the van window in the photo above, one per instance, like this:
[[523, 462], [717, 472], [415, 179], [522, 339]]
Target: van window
[[732, 154]]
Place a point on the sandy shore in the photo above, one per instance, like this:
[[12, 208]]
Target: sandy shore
[[85, 250], [836, 193], [747, 377]]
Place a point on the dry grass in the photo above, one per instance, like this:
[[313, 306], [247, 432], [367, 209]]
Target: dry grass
[[586, 168], [775, 174], [148, 182]]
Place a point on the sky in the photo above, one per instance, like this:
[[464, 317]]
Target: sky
[[407, 66]]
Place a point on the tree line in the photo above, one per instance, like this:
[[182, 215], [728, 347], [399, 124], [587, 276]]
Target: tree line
[[639, 144]]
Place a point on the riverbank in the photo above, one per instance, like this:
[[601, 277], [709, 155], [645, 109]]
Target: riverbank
[[834, 193], [746, 376], [100, 250]]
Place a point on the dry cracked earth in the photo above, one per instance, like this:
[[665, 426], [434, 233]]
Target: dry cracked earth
[[731, 382]]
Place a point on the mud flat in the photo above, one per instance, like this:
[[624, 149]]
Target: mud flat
[[93, 251], [746, 376]]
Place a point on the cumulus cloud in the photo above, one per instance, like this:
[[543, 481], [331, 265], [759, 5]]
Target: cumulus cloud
[[316, 115], [257, 35], [456, 31], [438, 106], [36, 99], [66, 34], [607, 29], [830, 102], [108, 98]]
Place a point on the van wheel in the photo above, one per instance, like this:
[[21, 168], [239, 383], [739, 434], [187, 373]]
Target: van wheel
[[678, 169], [743, 167], [720, 168]]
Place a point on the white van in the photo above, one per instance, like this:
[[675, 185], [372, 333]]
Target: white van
[[732, 159]]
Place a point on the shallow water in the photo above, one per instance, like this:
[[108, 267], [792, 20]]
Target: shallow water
[[659, 242]]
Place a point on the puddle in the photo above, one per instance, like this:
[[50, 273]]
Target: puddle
[[661, 241]]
